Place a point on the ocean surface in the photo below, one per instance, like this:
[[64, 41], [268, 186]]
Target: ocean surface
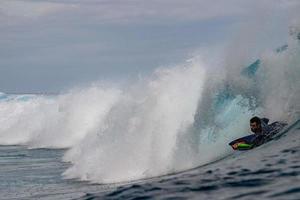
[[163, 137], [271, 171]]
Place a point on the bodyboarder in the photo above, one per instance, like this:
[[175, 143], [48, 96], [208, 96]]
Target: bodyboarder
[[263, 132]]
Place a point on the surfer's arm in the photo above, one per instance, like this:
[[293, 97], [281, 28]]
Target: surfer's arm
[[258, 140], [265, 120]]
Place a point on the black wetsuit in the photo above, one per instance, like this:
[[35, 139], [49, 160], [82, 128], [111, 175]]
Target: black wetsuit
[[268, 131]]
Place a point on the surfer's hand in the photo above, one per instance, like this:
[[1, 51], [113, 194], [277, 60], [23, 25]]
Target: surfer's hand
[[235, 145]]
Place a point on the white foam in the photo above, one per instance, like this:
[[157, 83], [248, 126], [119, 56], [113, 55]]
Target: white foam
[[139, 136], [280, 74], [56, 122]]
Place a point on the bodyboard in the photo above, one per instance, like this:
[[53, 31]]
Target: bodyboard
[[243, 143], [250, 141]]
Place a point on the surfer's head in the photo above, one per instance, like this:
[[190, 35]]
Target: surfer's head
[[255, 125]]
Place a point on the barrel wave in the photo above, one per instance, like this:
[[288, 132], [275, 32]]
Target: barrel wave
[[178, 118]]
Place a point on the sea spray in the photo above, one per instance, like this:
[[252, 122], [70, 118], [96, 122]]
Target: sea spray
[[54, 121], [139, 135], [280, 77]]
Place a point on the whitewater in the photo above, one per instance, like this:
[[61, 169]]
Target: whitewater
[[166, 134]]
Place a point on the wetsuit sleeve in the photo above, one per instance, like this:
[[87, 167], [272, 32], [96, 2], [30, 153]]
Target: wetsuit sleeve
[[259, 139], [265, 120]]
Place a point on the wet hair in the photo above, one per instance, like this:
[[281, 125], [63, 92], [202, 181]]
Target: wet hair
[[255, 119]]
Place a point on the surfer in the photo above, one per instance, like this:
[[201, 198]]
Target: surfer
[[260, 128], [263, 132]]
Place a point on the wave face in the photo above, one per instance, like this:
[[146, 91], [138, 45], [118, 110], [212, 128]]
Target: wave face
[[176, 119]]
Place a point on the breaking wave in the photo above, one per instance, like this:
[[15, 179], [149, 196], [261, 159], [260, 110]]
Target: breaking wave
[[178, 118]]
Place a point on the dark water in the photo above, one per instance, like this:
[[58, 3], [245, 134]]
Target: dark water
[[271, 171]]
